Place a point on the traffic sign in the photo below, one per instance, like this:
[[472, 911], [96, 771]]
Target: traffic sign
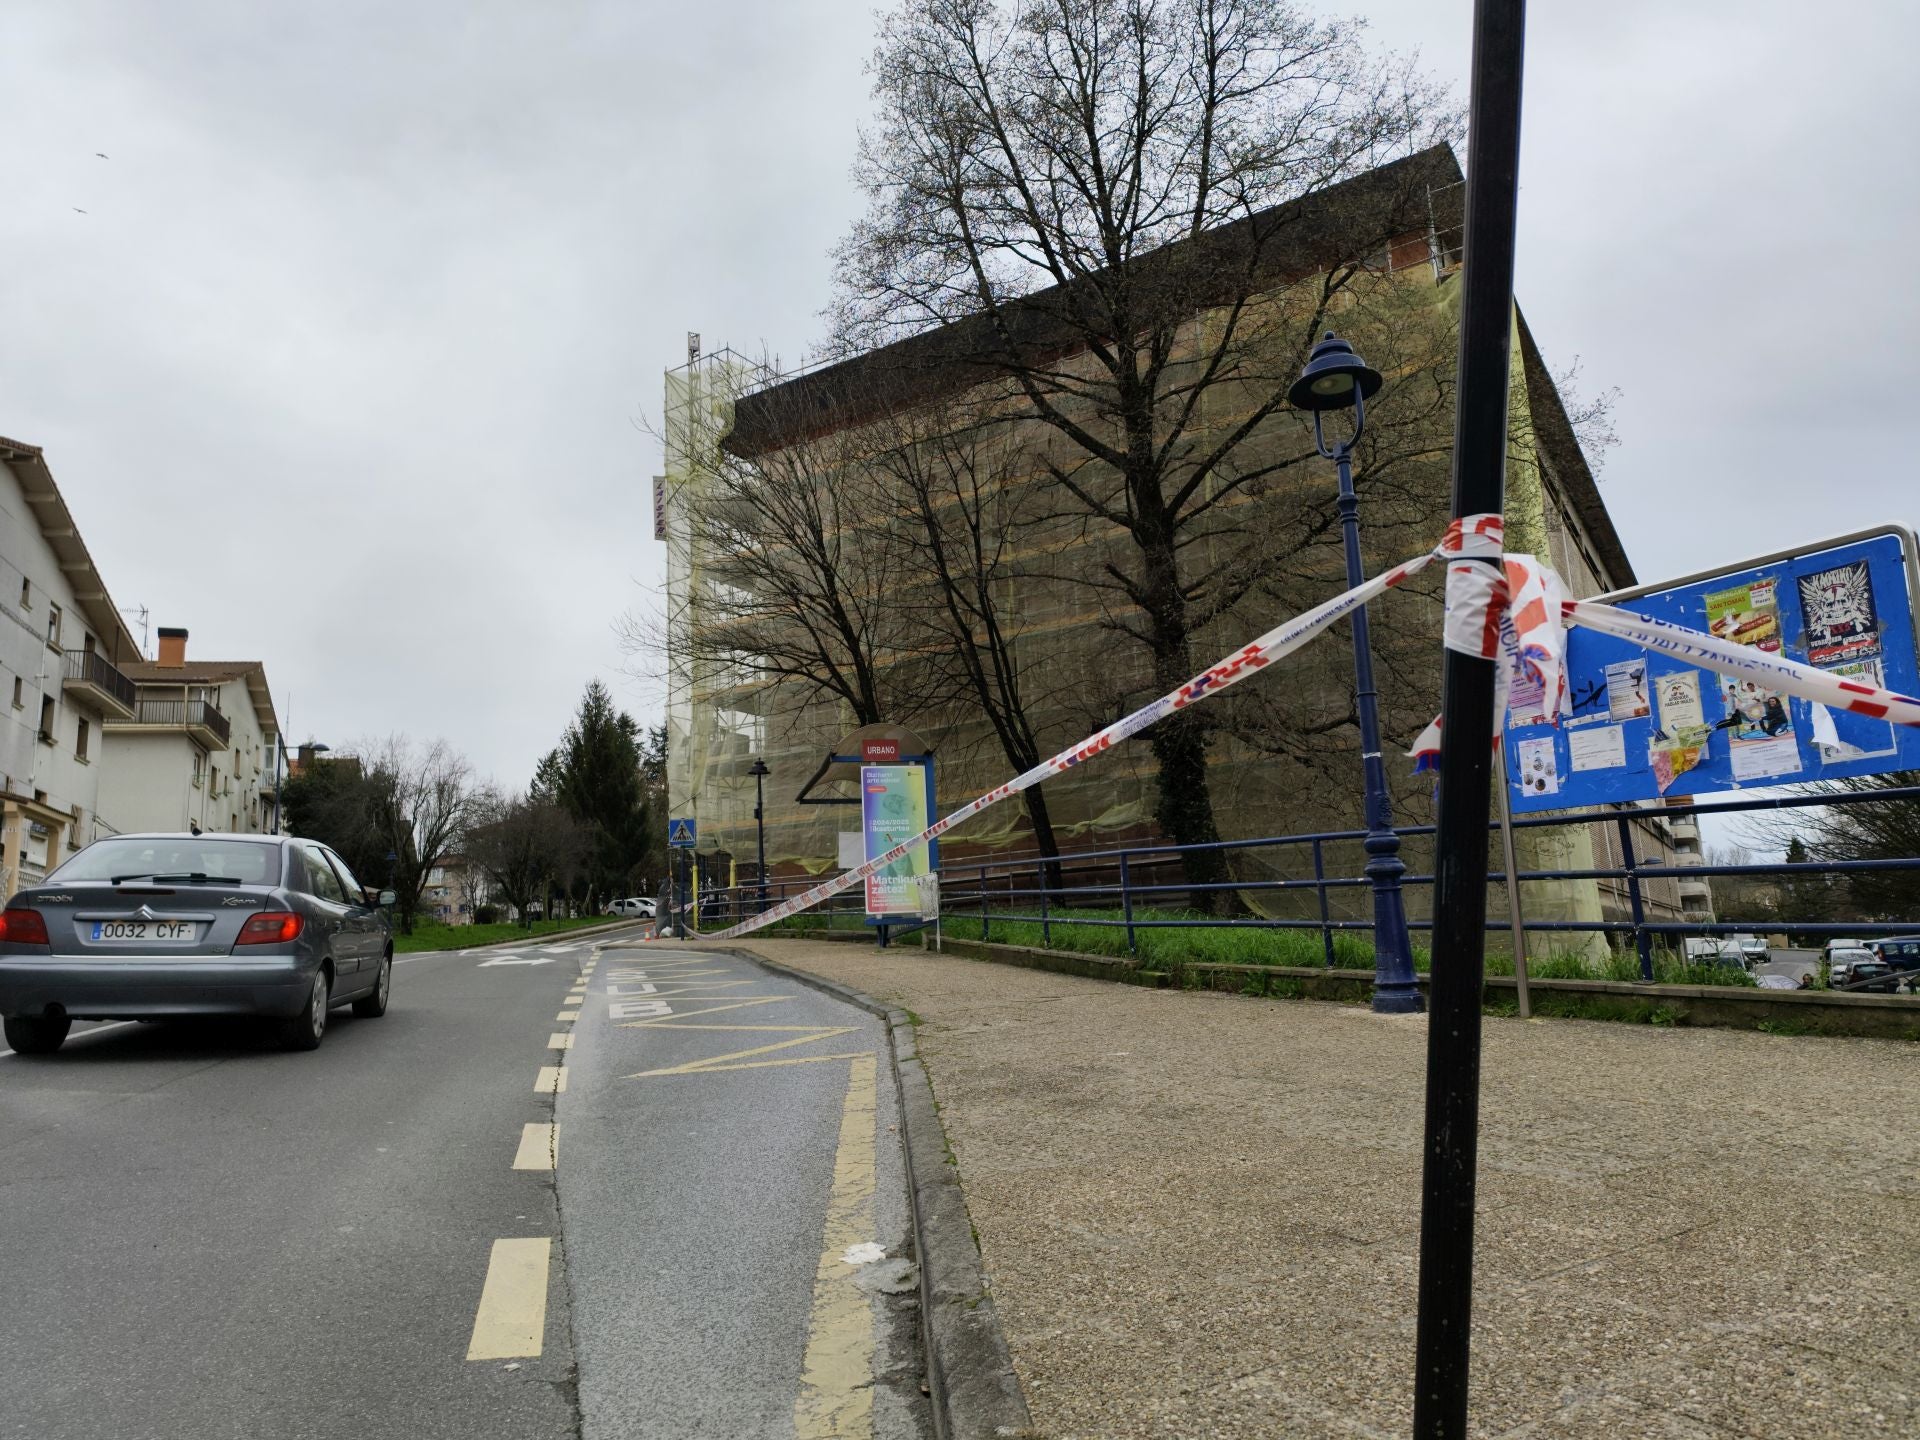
[[680, 834]]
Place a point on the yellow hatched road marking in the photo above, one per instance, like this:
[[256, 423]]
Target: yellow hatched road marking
[[711, 1010], [551, 1079], [836, 1377], [720, 1062], [511, 1322], [539, 1145]]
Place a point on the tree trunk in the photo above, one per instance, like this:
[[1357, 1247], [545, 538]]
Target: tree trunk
[[1043, 837], [1183, 807]]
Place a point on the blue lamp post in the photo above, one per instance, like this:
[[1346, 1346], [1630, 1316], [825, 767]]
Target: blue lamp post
[[1337, 379]]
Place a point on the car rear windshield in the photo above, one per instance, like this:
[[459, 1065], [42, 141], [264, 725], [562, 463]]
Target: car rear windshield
[[251, 862]]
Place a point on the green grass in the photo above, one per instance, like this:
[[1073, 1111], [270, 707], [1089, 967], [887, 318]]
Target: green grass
[[1172, 950], [432, 935]]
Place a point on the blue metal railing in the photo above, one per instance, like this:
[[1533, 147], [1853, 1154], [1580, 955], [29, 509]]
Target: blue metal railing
[[1002, 890]]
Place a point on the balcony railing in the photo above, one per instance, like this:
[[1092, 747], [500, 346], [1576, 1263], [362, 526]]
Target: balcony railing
[[200, 715], [90, 672]]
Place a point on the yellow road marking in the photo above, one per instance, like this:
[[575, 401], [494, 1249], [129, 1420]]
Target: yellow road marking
[[512, 1320], [719, 1062], [710, 1010], [566, 1015], [539, 1144], [836, 1377], [551, 1079], [559, 1042]]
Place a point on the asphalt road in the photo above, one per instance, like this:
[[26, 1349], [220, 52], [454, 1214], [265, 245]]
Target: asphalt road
[[207, 1237], [716, 1113]]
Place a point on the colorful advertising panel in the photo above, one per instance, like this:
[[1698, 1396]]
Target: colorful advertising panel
[[894, 806]]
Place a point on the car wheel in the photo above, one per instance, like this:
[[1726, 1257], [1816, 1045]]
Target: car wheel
[[304, 1031], [36, 1034], [372, 1007]]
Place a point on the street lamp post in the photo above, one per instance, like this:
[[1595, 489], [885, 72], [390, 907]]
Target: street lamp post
[[1337, 379], [760, 773]]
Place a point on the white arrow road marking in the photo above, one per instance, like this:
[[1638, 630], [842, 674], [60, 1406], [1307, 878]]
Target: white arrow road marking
[[486, 964]]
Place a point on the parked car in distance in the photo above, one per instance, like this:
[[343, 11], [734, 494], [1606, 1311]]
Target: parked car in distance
[[1859, 969], [1902, 956], [151, 926], [634, 907], [1715, 950], [1751, 946]]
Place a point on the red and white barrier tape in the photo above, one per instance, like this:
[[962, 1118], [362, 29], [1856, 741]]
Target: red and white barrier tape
[[1516, 585]]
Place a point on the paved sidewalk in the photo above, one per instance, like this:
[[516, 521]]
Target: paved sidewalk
[[1199, 1212]]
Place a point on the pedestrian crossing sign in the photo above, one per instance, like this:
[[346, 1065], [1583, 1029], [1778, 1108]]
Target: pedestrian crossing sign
[[680, 834]]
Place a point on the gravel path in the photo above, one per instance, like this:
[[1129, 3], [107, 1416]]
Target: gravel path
[[1199, 1212]]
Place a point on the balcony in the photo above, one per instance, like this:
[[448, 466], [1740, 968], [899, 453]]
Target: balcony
[[201, 719], [89, 678]]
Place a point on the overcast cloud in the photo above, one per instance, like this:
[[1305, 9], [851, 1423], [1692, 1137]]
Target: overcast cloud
[[340, 368]]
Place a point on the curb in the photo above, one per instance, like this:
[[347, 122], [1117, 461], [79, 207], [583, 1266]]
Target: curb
[[970, 1376]]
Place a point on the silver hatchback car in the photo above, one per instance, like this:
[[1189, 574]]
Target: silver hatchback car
[[150, 926]]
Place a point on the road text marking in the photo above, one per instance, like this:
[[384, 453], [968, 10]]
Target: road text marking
[[511, 1323]]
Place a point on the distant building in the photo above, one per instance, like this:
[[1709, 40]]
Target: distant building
[[456, 887], [63, 653], [197, 749]]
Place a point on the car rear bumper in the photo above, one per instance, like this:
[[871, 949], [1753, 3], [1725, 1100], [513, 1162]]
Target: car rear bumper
[[127, 988]]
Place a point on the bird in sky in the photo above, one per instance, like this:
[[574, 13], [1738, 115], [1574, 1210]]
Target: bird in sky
[[78, 211], [103, 154]]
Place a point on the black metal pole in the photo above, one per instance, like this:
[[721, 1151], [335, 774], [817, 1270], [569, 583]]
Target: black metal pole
[[760, 826], [1466, 744]]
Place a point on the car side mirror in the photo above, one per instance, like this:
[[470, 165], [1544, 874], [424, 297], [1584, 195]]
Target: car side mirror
[[381, 898]]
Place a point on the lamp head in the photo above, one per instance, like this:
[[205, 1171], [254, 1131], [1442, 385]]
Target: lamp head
[[759, 767], [1333, 376]]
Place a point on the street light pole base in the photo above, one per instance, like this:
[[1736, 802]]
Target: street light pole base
[[1398, 1001]]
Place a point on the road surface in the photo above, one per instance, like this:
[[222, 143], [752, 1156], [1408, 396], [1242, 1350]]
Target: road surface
[[208, 1237]]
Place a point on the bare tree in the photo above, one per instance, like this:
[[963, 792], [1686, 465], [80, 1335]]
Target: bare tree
[[799, 567], [417, 800], [526, 846], [1031, 167]]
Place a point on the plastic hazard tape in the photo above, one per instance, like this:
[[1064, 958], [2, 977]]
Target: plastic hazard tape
[[1494, 588]]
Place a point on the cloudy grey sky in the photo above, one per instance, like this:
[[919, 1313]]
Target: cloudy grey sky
[[341, 367]]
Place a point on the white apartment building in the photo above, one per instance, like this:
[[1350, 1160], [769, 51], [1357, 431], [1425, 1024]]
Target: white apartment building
[[197, 749], [64, 652]]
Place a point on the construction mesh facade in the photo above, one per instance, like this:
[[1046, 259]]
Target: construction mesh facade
[[1283, 756]]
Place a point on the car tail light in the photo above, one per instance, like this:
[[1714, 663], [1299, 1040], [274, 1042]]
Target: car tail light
[[270, 927], [23, 926]]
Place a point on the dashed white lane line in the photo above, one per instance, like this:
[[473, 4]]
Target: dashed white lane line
[[539, 1145], [560, 1042], [550, 1079], [511, 1322], [82, 1034], [565, 1015]]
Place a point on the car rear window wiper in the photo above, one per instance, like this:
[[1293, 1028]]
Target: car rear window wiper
[[196, 877]]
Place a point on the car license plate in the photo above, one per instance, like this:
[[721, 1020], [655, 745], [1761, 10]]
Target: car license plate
[[165, 932]]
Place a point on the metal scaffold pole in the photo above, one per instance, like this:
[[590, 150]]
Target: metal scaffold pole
[[1466, 746]]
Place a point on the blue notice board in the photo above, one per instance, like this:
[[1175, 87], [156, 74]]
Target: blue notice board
[[1643, 725]]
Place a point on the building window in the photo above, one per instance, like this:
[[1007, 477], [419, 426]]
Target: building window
[[198, 760], [46, 718], [19, 693], [80, 741], [53, 626], [26, 593], [73, 831]]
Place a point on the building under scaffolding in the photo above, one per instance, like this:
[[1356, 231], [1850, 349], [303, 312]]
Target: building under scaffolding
[[1282, 756]]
